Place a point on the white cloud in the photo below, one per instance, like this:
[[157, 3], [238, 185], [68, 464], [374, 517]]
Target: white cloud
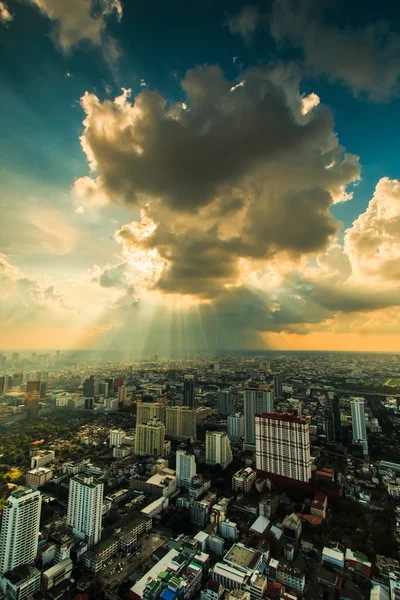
[[245, 23]]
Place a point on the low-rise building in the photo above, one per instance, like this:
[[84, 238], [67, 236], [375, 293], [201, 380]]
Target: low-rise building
[[21, 583], [56, 574], [244, 480]]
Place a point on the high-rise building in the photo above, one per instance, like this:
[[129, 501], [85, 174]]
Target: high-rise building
[[31, 403], [150, 438], [33, 386], [224, 403], [180, 423], [235, 427], [218, 449], [122, 394], [18, 378], [85, 507], [277, 381], [116, 437], [358, 422], [255, 401], [283, 446], [185, 469], [88, 387], [146, 411], [20, 529], [333, 426], [104, 389], [188, 391]]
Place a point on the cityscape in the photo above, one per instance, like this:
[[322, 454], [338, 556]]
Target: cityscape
[[199, 300]]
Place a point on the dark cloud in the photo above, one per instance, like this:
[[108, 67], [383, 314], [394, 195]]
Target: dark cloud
[[246, 22], [366, 58]]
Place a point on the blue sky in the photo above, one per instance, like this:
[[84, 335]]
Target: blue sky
[[44, 75]]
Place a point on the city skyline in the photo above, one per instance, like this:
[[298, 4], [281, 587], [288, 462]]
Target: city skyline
[[187, 178]]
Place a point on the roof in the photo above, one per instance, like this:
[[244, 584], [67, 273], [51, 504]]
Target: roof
[[162, 565], [285, 418], [333, 553], [357, 556], [63, 564], [313, 520], [260, 524], [242, 556], [229, 572]]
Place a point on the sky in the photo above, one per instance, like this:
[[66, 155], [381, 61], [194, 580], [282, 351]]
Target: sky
[[183, 177]]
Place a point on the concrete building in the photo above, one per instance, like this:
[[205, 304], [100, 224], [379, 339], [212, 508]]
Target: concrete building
[[185, 469], [180, 423], [85, 503], [256, 401], [38, 477], [56, 575], [291, 528], [244, 480], [277, 383], [283, 446], [188, 391], [147, 411], [150, 438], [229, 530], [358, 422], [225, 404], [20, 529], [116, 438], [235, 427], [21, 583], [42, 458], [199, 512], [218, 449]]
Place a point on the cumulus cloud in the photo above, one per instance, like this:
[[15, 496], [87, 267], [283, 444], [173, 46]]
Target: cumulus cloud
[[364, 58], [5, 16], [245, 23], [78, 20], [238, 174]]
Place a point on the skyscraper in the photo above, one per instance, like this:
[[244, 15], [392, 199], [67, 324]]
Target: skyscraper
[[188, 391], [255, 401], [224, 403], [283, 446], [235, 427], [150, 438], [85, 505], [185, 469], [333, 426], [358, 422], [145, 411], [122, 395], [218, 449], [20, 529], [88, 387], [180, 423], [277, 380]]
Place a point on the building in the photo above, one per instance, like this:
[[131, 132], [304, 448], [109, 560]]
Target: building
[[358, 422], [244, 558], [277, 383], [229, 530], [291, 528], [358, 562], [146, 411], [21, 583], [212, 591], [20, 529], [150, 438], [116, 437], [122, 395], [185, 469], [88, 388], [244, 480], [333, 425], [85, 504], [283, 446], [56, 575], [228, 576], [199, 512], [333, 556], [255, 402], [218, 449], [319, 505], [225, 404], [188, 391], [180, 423], [38, 477], [42, 458], [235, 427]]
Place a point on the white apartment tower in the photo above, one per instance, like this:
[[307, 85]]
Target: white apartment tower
[[180, 423], [85, 505], [218, 449], [358, 422], [116, 437], [283, 446], [235, 427], [150, 438], [20, 529], [185, 469], [255, 402]]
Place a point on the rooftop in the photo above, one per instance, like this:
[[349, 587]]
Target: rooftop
[[21, 573], [242, 556], [285, 418]]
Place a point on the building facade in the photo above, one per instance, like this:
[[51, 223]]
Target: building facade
[[85, 504], [255, 401], [218, 449], [185, 469], [180, 423], [150, 438]]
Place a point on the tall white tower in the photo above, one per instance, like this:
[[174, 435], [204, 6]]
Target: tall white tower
[[358, 422], [185, 469], [20, 529], [85, 504]]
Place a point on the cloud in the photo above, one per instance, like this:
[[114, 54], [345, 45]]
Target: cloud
[[242, 174], [78, 20], [245, 23], [5, 16], [365, 58]]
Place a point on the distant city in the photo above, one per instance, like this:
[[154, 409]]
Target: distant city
[[243, 476]]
